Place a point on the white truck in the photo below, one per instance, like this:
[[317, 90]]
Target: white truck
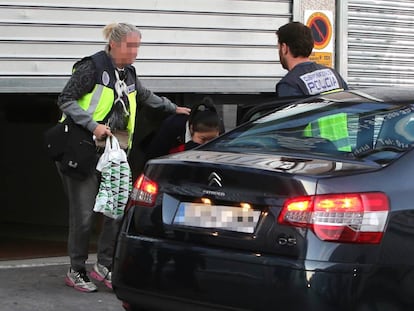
[[203, 46], [187, 46]]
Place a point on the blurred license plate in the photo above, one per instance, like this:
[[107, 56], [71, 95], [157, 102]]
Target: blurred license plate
[[217, 216]]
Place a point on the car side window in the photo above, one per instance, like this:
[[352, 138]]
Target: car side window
[[397, 131]]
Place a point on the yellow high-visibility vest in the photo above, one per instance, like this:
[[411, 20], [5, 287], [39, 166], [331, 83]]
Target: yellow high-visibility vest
[[333, 128], [100, 100]]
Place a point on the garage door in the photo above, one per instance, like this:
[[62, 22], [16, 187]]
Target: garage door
[[380, 43]]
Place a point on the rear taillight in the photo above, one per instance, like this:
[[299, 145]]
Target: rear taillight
[[348, 217], [144, 191]]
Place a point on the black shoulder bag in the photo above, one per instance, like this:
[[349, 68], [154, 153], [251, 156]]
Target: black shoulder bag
[[73, 146]]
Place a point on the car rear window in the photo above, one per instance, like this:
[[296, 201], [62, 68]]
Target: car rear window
[[374, 131]]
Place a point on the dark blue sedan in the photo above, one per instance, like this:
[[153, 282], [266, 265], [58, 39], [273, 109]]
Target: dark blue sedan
[[308, 207]]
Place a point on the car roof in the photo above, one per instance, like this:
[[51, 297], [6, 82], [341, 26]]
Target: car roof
[[372, 94], [384, 93]]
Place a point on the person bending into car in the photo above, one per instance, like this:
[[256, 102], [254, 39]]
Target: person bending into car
[[181, 132], [304, 77], [102, 96]]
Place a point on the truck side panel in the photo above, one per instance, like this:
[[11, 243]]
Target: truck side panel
[[187, 46]]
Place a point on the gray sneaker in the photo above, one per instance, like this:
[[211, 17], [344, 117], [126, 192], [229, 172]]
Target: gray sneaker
[[102, 274], [80, 281]]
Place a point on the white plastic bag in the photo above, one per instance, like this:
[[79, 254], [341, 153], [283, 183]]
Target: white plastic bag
[[116, 180]]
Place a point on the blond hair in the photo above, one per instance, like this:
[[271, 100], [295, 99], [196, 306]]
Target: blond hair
[[117, 31]]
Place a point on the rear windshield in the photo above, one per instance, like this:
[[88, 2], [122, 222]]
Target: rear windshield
[[374, 131]]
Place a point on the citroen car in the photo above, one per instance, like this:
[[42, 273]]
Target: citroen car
[[305, 207]]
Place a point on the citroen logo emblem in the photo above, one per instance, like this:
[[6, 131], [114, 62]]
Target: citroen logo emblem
[[214, 180]]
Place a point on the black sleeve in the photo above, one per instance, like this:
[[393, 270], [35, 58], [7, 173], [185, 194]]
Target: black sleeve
[[80, 83], [170, 135]]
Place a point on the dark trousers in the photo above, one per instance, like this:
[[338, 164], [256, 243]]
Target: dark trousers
[[81, 195]]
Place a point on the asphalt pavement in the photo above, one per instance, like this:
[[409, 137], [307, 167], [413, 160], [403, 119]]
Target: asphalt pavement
[[39, 285]]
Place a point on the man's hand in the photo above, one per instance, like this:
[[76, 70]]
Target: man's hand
[[102, 131], [182, 110]]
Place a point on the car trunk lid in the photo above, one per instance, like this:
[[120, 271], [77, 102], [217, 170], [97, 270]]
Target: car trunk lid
[[233, 200]]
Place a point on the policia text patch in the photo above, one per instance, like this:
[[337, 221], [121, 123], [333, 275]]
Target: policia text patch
[[320, 81]]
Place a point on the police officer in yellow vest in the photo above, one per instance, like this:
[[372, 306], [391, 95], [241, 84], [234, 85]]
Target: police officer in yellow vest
[[102, 96]]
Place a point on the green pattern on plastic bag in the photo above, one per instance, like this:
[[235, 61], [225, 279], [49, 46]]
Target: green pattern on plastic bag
[[116, 180]]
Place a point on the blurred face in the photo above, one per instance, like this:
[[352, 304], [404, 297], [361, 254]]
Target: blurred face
[[203, 137], [125, 52]]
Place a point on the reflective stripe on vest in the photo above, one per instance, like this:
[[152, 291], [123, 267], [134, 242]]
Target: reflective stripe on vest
[[100, 100], [334, 128], [132, 98], [92, 102], [99, 103]]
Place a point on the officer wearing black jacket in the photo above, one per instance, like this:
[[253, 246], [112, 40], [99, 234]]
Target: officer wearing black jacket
[[304, 77]]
